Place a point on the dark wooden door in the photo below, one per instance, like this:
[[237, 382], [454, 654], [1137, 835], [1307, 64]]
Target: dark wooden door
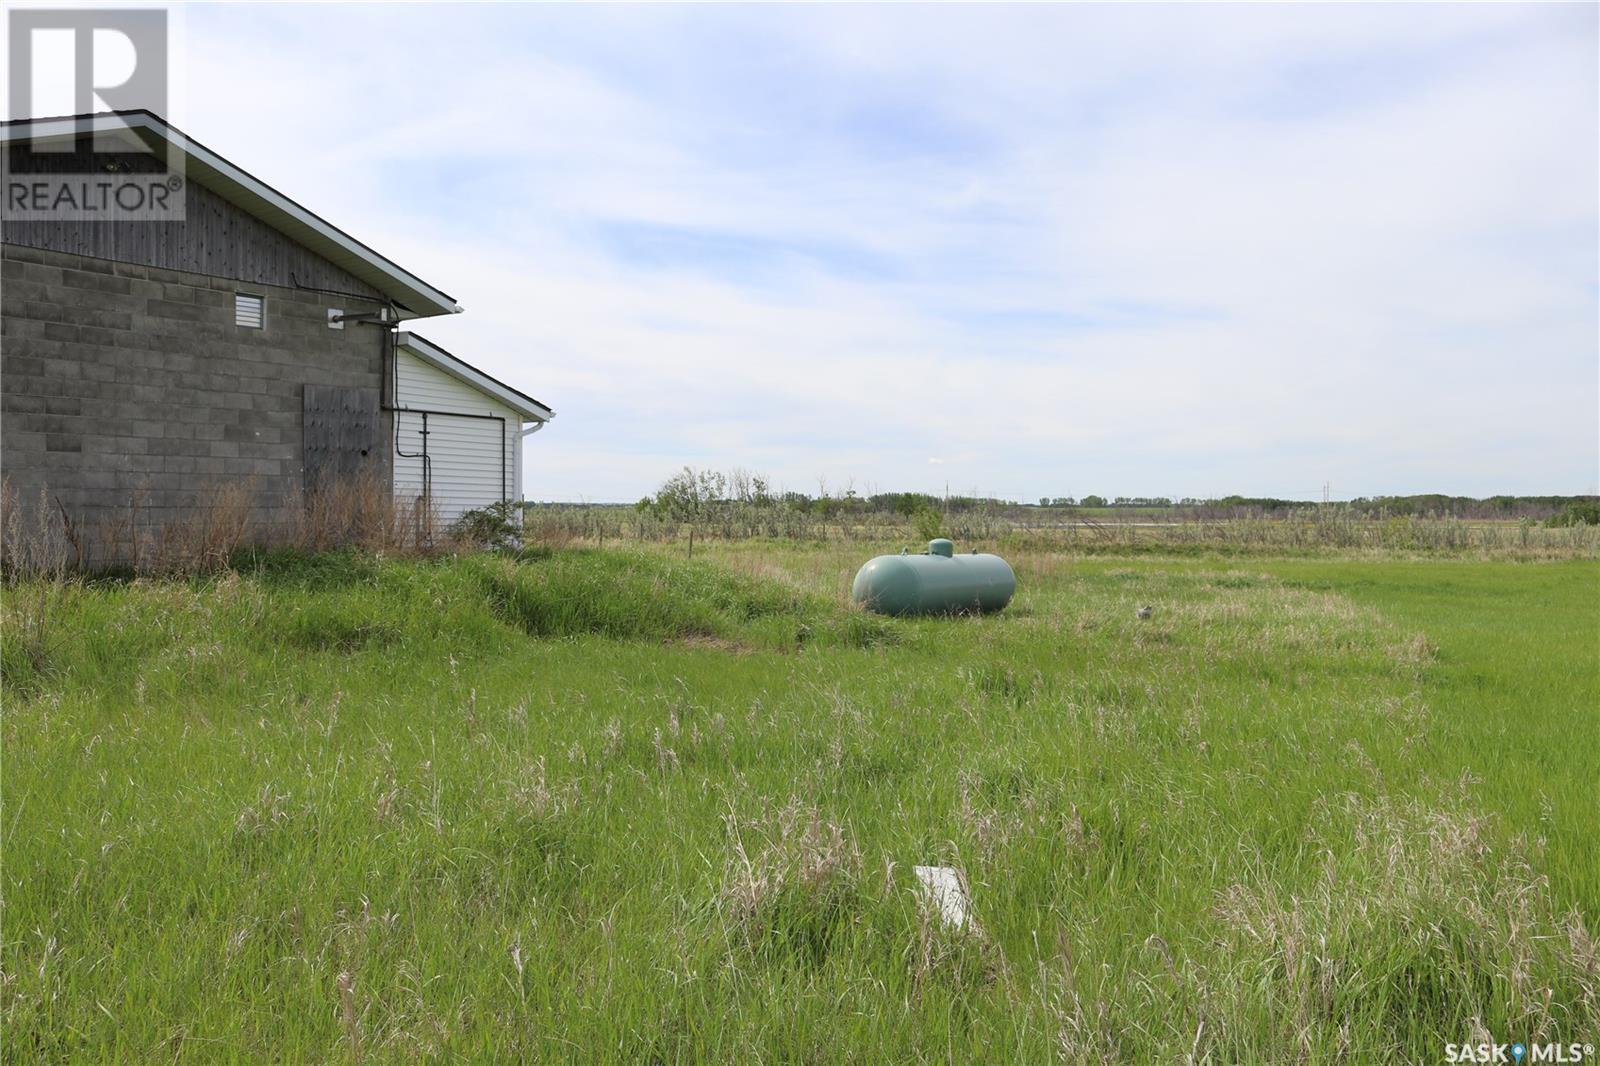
[[342, 431]]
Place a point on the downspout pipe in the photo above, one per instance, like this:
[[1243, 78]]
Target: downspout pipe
[[524, 434]]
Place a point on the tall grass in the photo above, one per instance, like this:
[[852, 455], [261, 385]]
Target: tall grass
[[631, 595], [618, 805]]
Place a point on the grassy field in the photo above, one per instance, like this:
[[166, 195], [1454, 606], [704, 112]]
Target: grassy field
[[1335, 530], [618, 805]]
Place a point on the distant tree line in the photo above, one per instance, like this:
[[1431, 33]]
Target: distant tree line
[[690, 493], [696, 504], [1571, 509], [693, 495], [1116, 501]]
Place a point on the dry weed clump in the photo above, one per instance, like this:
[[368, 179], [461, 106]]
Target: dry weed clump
[[1022, 812], [34, 541], [545, 531], [364, 513], [48, 540], [1421, 914], [204, 540], [532, 796], [1414, 653], [792, 880], [1085, 1031], [1270, 620], [268, 811]]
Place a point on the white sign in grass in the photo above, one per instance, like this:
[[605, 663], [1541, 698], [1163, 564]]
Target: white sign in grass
[[944, 890]]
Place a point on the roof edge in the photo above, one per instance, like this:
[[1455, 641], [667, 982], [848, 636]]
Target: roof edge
[[459, 368], [410, 287]]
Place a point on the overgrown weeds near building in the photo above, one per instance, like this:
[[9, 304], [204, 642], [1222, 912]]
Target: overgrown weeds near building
[[42, 537]]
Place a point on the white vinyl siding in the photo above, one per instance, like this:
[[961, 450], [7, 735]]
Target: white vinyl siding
[[464, 453]]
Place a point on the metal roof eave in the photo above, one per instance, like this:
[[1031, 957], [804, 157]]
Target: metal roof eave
[[259, 199], [465, 372]]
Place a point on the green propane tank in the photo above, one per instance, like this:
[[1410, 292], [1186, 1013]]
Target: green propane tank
[[937, 582]]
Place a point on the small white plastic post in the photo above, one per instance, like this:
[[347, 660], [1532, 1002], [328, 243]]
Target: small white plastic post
[[945, 890]]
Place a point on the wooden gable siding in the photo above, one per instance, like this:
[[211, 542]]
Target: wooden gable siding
[[216, 239]]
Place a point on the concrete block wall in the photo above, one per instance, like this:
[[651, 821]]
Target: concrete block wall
[[119, 379]]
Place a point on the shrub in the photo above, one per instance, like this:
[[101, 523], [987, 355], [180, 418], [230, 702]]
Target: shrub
[[1583, 513], [928, 524], [493, 526]]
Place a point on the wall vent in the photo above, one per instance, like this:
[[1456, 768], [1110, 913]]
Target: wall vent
[[248, 311]]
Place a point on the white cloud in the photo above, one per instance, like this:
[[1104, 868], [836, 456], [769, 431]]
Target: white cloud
[[1148, 250]]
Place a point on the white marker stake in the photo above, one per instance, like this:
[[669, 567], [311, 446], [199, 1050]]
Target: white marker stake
[[944, 889]]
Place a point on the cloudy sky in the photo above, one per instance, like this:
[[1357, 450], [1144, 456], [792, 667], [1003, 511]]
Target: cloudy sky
[[1024, 251]]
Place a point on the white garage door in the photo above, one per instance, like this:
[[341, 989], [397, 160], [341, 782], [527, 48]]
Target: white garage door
[[464, 462], [471, 464]]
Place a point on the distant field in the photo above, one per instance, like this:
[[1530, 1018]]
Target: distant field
[[1336, 530], [613, 804]]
